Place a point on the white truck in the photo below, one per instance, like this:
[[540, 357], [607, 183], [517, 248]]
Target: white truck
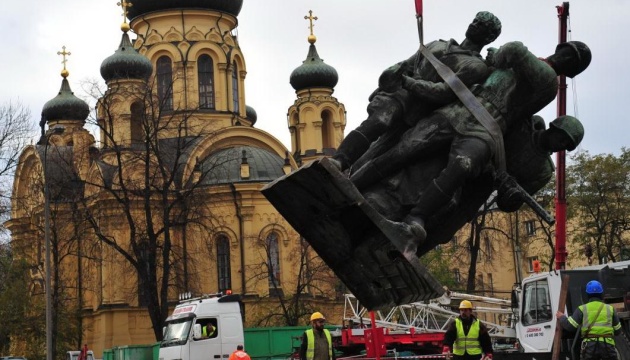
[[536, 300], [184, 336]]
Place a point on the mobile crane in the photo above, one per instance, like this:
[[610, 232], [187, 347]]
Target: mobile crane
[[521, 328]]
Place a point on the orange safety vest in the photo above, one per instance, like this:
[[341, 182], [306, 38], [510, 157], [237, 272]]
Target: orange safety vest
[[239, 355]]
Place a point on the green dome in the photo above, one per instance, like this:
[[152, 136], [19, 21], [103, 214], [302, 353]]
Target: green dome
[[250, 113], [126, 63], [224, 166], [65, 106], [313, 73], [141, 7]]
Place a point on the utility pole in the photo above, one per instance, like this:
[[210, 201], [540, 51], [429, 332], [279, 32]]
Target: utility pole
[[49, 307], [561, 200]]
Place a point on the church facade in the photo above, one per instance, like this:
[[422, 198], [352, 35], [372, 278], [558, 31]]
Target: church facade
[[166, 198]]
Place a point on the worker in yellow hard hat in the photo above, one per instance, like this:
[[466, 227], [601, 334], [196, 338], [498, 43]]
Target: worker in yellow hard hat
[[467, 337], [317, 342]]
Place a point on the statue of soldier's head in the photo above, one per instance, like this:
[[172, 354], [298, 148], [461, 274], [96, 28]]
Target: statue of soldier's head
[[484, 29], [570, 58], [570, 130]]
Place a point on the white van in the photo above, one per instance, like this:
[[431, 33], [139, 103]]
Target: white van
[[184, 336]]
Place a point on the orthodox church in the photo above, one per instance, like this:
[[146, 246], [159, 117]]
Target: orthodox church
[[166, 198]]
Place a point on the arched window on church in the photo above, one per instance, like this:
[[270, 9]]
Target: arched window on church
[[223, 263], [205, 73], [273, 262], [295, 133], [136, 123], [327, 130], [164, 75], [235, 103]]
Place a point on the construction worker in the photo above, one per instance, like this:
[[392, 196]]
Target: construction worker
[[208, 330], [467, 337], [317, 342], [239, 354], [599, 324]]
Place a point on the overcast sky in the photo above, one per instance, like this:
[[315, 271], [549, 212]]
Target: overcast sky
[[359, 38]]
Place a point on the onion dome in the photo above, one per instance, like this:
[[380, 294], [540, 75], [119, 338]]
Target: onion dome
[[250, 114], [65, 106], [313, 72], [126, 63], [224, 166], [141, 7]]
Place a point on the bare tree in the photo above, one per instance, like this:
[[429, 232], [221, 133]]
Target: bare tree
[[479, 243], [477, 225], [65, 239], [150, 193], [538, 239], [292, 299], [16, 130]]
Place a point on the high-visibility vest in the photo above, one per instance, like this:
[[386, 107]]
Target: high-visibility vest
[[208, 330], [602, 324], [467, 343], [310, 344], [239, 355]]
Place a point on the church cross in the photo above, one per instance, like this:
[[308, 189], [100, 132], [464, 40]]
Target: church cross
[[64, 53], [310, 19], [125, 6]]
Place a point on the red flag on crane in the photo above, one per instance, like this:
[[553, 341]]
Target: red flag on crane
[[418, 7]]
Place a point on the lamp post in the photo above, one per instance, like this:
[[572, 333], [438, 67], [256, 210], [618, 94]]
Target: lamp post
[[49, 314]]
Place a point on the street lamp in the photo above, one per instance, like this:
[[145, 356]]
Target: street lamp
[[49, 342]]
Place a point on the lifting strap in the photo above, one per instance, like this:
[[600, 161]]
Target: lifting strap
[[472, 104]]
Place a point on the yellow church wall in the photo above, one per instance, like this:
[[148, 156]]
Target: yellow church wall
[[316, 121], [156, 32], [115, 108], [259, 218], [110, 327], [212, 23]]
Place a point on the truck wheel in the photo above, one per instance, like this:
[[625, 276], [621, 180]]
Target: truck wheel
[[623, 346]]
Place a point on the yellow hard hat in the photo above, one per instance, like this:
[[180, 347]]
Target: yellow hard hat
[[317, 315], [465, 304]]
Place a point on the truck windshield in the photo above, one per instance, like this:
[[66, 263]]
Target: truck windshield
[[176, 332]]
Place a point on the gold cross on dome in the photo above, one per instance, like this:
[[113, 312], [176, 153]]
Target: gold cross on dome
[[64, 53], [125, 6], [310, 19]]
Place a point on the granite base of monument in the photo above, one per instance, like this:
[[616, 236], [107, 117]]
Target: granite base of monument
[[323, 205]]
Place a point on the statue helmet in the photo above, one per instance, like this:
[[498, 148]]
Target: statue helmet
[[582, 57], [572, 127], [317, 316], [594, 287], [465, 304]]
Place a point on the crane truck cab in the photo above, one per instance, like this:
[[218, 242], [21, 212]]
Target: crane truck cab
[[75, 355], [184, 337], [83, 354], [536, 301]]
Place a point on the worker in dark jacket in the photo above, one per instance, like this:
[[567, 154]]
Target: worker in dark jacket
[[317, 342], [599, 324], [467, 337]]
